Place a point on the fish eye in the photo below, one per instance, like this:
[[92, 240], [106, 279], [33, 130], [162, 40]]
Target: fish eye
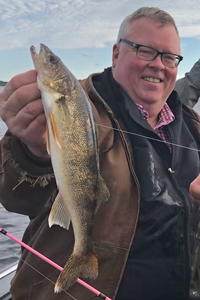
[[53, 58]]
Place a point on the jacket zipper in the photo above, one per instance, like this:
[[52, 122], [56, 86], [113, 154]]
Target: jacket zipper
[[187, 207], [186, 228]]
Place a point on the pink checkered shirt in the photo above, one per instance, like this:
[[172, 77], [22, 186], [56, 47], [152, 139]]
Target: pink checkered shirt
[[165, 117]]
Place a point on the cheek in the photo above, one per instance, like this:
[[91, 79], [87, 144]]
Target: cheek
[[124, 69], [172, 74], [133, 70], [170, 80]]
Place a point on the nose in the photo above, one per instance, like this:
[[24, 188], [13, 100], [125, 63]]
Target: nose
[[157, 63]]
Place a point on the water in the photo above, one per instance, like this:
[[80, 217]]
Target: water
[[13, 223]]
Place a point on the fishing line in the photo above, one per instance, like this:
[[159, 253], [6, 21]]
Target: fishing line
[[97, 296], [122, 131], [45, 277], [93, 297], [136, 134], [148, 137], [52, 263]]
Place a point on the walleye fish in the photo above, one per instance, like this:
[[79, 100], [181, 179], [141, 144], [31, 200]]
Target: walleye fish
[[73, 148]]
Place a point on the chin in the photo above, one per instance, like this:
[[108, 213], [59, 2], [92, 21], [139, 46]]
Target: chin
[[151, 101]]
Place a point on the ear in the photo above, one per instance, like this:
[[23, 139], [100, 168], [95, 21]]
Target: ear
[[115, 54]]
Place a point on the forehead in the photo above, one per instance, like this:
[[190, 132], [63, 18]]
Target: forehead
[[154, 34]]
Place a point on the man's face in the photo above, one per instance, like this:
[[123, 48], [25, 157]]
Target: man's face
[[136, 76]]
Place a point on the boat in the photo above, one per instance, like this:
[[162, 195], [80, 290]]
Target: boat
[[5, 277]]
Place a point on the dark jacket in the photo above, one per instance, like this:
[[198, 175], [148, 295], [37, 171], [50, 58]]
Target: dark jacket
[[27, 186], [188, 87]]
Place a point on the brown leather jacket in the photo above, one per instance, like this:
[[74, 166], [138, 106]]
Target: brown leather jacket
[[27, 186]]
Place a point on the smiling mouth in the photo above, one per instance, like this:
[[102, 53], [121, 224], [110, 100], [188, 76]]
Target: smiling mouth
[[152, 79]]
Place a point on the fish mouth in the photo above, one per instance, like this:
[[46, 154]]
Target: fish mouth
[[47, 64], [35, 56], [33, 53], [43, 51], [40, 57]]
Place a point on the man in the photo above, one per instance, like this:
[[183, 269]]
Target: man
[[188, 87], [144, 235]]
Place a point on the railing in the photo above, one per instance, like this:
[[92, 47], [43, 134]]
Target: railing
[[5, 278]]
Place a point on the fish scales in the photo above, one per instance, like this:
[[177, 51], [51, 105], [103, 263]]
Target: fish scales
[[73, 147]]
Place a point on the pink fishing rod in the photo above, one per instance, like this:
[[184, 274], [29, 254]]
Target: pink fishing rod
[[87, 286]]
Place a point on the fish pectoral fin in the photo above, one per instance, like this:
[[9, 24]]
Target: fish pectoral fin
[[59, 214], [54, 130], [103, 193]]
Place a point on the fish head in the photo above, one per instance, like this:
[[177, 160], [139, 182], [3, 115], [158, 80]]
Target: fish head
[[52, 73]]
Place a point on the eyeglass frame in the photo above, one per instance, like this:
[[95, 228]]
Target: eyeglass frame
[[137, 46]]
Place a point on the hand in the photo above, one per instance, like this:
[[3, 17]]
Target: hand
[[22, 110], [195, 190]]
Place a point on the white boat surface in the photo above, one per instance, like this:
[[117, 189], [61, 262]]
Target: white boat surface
[[5, 278]]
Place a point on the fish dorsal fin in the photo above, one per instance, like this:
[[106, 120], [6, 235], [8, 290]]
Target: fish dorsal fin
[[54, 130], [59, 214], [102, 194]]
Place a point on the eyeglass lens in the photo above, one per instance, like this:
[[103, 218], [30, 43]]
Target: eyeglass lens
[[146, 53]]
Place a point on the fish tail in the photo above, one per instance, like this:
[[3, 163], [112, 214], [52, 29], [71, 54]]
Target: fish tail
[[77, 266]]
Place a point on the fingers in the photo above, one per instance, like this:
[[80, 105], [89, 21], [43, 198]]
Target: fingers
[[18, 119], [195, 190], [16, 82], [34, 136], [12, 100], [22, 110]]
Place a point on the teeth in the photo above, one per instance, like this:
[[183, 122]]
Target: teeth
[[151, 79]]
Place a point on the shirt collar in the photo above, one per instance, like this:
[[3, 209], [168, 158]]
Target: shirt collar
[[166, 116]]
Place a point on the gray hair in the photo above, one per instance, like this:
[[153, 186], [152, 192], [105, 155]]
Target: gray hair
[[153, 13]]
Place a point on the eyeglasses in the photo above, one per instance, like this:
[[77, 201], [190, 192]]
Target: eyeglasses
[[149, 54]]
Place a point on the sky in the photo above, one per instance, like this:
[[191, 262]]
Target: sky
[[82, 32]]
